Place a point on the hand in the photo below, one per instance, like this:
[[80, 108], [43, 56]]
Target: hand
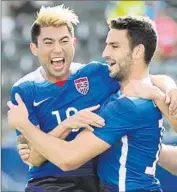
[[17, 114], [171, 99], [138, 88], [24, 152], [84, 119]]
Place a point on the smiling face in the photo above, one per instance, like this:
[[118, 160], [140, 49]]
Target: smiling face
[[118, 54], [55, 50]]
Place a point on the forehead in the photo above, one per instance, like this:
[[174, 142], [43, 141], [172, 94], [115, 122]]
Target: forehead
[[119, 36], [54, 32]]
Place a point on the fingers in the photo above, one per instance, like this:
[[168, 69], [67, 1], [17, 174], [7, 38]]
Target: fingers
[[79, 125], [167, 99], [93, 117], [90, 118], [10, 105], [85, 125], [91, 122], [94, 108], [24, 154], [23, 151], [173, 106], [171, 99], [22, 146], [84, 119], [89, 128], [18, 98]]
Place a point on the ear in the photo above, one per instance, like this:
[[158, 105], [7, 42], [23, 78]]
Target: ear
[[74, 42], [138, 51], [34, 49]]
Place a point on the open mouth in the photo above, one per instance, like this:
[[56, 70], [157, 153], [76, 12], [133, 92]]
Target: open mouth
[[58, 62], [111, 64]]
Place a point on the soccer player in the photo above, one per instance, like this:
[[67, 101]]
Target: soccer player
[[53, 42], [133, 126]]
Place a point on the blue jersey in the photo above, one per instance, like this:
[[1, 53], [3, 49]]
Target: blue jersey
[[133, 129], [48, 105]]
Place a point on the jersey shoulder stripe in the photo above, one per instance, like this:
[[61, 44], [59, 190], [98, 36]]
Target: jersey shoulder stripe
[[75, 67], [35, 76]]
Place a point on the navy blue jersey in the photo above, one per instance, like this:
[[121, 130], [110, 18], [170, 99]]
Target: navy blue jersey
[[48, 105], [133, 129]]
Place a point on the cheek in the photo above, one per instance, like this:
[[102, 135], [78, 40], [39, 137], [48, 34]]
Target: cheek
[[45, 52], [69, 49]]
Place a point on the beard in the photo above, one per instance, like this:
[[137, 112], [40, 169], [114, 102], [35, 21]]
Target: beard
[[123, 69]]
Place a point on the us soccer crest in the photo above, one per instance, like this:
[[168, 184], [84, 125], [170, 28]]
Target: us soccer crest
[[82, 85]]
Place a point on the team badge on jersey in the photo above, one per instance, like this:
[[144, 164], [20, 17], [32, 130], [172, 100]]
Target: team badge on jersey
[[82, 85]]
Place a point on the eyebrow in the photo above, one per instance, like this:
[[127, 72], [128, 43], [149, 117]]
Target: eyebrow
[[64, 37], [112, 43], [50, 39]]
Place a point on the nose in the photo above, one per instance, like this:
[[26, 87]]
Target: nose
[[57, 48], [105, 53]]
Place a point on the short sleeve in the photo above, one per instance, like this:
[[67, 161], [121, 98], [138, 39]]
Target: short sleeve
[[118, 121], [27, 99]]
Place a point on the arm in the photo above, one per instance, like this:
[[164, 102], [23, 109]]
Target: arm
[[168, 158], [169, 87], [138, 88], [85, 119], [26, 96], [72, 154], [33, 157], [30, 155], [163, 82], [159, 99]]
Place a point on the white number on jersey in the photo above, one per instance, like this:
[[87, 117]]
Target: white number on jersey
[[69, 113]]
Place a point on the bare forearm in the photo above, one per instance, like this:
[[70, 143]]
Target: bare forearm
[[59, 132], [38, 159], [168, 158], [163, 82], [160, 102], [55, 150]]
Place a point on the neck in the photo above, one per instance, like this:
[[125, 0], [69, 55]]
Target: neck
[[139, 73], [54, 79]]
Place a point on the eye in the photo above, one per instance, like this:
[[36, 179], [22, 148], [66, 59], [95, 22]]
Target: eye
[[65, 40], [115, 46], [48, 42]]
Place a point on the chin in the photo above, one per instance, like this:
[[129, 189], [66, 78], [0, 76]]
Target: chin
[[112, 75], [62, 74]]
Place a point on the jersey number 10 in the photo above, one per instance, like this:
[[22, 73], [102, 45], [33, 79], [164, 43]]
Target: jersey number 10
[[69, 112]]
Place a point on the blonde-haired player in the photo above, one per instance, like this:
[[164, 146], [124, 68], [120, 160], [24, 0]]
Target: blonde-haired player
[[53, 42]]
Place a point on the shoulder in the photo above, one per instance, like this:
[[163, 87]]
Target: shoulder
[[75, 67], [25, 85], [122, 106], [139, 109], [116, 107], [95, 67], [34, 76], [130, 109], [142, 105]]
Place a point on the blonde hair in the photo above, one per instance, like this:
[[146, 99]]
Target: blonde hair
[[54, 16]]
